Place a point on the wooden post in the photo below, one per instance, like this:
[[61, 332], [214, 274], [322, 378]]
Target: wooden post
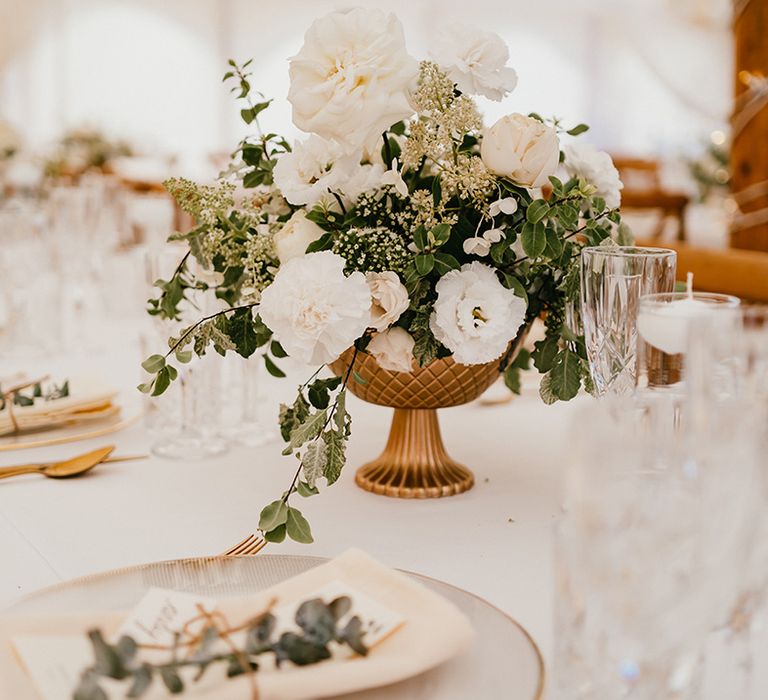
[[749, 152]]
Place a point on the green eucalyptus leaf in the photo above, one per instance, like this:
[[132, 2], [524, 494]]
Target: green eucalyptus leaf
[[277, 350], [275, 535], [153, 364], [298, 527], [142, 679], [335, 456], [273, 515], [172, 680], [162, 382], [305, 490]]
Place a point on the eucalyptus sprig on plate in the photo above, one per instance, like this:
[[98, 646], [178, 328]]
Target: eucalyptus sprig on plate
[[400, 226], [319, 627]]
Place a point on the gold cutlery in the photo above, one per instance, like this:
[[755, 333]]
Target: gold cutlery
[[249, 547], [69, 467]]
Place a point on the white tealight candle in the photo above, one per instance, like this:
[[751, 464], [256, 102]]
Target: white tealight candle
[[666, 325]]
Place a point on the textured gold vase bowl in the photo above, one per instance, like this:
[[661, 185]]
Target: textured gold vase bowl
[[415, 463]]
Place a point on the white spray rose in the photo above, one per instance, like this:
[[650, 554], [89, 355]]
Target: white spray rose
[[475, 60], [313, 168], [314, 310], [584, 161], [475, 316], [393, 349], [297, 233], [389, 298], [522, 149], [362, 178], [351, 79]]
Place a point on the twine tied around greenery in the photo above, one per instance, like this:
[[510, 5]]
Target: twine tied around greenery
[[7, 396]]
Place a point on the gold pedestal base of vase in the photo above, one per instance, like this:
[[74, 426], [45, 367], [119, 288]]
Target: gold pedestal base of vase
[[414, 463]]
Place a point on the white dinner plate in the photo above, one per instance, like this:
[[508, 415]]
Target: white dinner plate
[[503, 664]]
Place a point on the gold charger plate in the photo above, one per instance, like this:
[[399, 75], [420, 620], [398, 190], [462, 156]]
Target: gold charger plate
[[503, 664]]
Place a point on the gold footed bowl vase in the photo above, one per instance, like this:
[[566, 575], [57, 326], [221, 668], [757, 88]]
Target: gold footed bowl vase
[[415, 463]]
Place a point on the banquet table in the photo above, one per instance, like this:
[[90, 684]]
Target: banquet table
[[495, 540]]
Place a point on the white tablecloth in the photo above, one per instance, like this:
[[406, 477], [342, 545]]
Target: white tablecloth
[[494, 540]]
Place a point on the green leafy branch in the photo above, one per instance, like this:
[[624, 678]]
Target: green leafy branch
[[317, 433], [233, 329], [319, 626], [260, 156]]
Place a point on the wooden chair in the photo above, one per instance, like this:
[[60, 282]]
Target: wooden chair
[[742, 273], [643, 191]]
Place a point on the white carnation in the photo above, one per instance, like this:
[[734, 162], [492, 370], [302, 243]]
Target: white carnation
[[475, 316], [362, 178], [475, 61], [352, 77], [314, 310], [393, 349], [389, 298], [584, 161], [309, 173]]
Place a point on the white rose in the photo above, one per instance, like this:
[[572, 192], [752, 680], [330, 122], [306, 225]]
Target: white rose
[[393, 349], [522, 149], [297, 233], [311, 170], [314, 310], [389, 298], [475, 61], [584, 161], [475, 316], [351, 79]]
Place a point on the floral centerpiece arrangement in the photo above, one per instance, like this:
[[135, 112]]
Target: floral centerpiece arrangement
[[400, 229], [83, 150]]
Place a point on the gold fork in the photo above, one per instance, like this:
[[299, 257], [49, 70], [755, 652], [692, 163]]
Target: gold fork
[[249, 547]]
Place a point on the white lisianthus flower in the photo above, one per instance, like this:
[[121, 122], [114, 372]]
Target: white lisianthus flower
[[475, 316], [394, 178], [475, 60], [297, 233], [522, 149], [389, 298], [314, 167], [314, 310], [393, 349], [584, 161], [508, 205], [352, 77]]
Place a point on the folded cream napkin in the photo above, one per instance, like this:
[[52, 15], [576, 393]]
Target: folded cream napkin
[[89, 401], [434, 631]]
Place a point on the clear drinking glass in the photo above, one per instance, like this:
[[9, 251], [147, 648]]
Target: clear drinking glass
[[664, 324], [186, 417], [612, 281], [651, 545], [243, 425]]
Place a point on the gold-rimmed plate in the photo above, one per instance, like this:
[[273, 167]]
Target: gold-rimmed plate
[[504, 662]]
